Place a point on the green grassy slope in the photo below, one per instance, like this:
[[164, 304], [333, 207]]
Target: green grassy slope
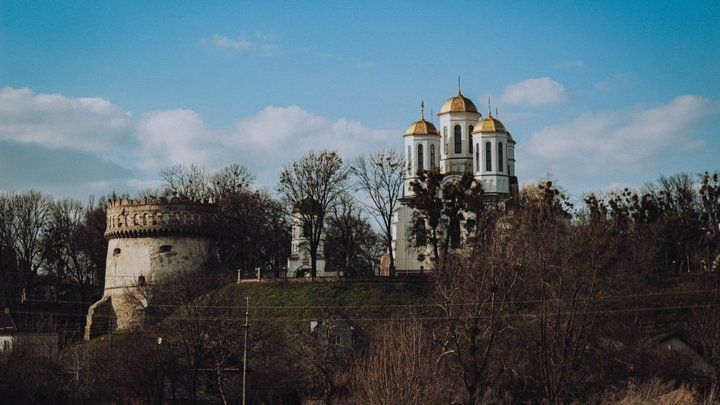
[[361, 301]]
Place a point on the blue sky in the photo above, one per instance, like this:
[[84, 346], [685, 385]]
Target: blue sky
[[96, 96]]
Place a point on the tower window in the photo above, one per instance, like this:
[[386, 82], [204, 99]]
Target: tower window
[[458, 139], [432, 156], [165, 248], [420, 158], [116, 251], [141, 280], [500, 156], [409, 160], [445, 140], [488, 157], [470, 143], [477, 159]]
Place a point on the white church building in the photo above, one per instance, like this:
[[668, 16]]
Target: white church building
[[466, 142]]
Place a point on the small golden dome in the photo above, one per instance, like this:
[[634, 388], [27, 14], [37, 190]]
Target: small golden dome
[[489, 125], [458, 103], [422, 127]]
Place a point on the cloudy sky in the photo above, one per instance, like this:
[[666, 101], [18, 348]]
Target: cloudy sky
[[98, 97]]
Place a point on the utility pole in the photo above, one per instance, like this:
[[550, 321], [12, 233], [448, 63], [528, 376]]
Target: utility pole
[[245, 349]]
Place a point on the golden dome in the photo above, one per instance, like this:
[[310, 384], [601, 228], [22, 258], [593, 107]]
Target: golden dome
[[422, 127], [489, 125], [458, 103]]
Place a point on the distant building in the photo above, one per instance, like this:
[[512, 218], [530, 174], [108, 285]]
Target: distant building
[[42, 344], [299, 262], [8, 330], [466, 142], [339, 333]]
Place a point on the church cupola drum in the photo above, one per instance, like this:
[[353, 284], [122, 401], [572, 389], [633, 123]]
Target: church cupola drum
[[422, 149], [458, 119]]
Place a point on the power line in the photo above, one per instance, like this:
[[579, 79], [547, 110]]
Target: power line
[[536, 301], [240, 319]]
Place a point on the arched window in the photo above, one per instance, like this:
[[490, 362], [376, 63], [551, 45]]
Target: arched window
[[500, 157], [470, 144], [445, 140], [455, 233], [409, 160], [458, 139], [488, 157], [477, 159], [420, 159], [432, 156]]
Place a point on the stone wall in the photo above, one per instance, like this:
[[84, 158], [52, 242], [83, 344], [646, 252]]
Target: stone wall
[[137, 261]]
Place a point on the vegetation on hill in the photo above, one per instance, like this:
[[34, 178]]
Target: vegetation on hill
[[361, 301]]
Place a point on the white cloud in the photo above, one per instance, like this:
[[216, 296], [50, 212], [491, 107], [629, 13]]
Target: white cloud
[[172, 137], [275, 136], [264, 142], [87, 124], [534, 92], [618, 141], [120, 185], [240, 43], [616, 82]]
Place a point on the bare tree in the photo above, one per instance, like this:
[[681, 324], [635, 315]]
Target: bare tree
[[571, 271], [191, 182], [311, 186], [74, 251], [399, 367], [31, 212], [231, 179], [380, 176], [476, 291], [255, 233], [9, 276], [351, 245]]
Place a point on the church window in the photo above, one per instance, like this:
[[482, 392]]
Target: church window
[[500, 156], [455, 233], [306, 230], [409, 160], [420, 159], [458, 139], [445, 139], [141, 280], [165, 248], [419, 232], [477, 159], [488, 156], [470, 144], [432, 156], [116, 251]]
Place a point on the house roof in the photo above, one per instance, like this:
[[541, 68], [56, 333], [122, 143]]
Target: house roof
[[7, 325]]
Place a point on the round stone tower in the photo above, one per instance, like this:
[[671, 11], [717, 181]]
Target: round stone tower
[[148, 239]]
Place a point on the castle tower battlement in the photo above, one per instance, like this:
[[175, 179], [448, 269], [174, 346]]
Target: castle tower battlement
[[149, 239], [157, 217]]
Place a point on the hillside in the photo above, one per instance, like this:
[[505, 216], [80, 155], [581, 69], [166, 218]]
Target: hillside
[[361, 301]]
